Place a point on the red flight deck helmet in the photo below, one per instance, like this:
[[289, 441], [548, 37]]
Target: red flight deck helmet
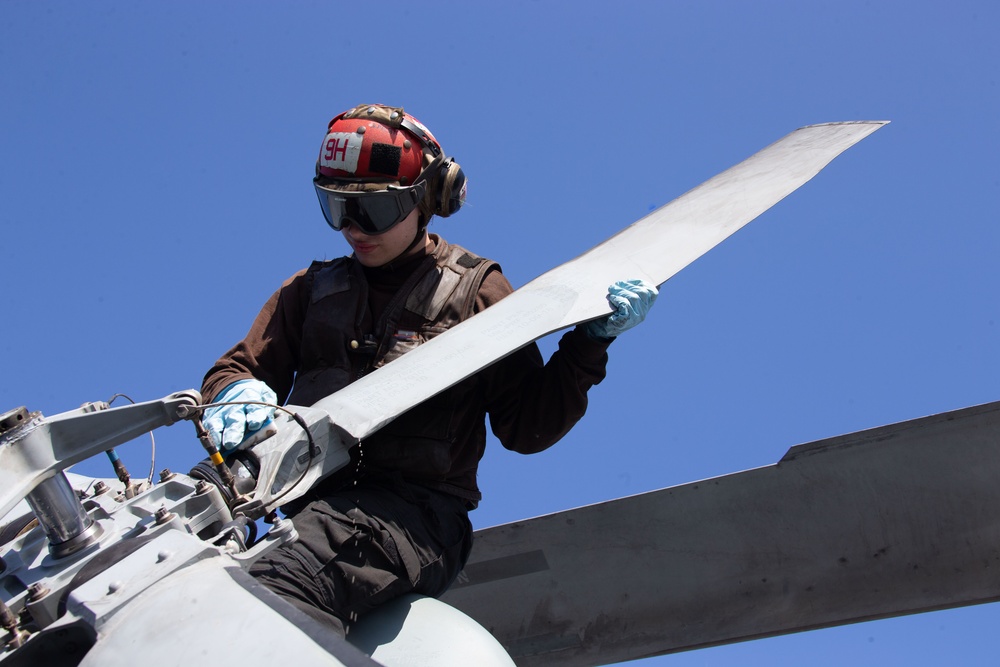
[[377, 163]]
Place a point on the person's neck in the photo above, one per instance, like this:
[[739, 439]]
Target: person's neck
[[403, 265]]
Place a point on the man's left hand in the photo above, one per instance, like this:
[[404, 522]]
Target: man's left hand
[[631, 300]]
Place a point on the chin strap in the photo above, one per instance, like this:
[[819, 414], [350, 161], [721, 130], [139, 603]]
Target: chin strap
[[420, 236]]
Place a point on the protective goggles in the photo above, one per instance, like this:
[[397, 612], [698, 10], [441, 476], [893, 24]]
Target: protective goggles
[[372, 212]]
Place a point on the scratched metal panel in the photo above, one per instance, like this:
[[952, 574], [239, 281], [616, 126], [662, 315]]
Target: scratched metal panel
[[655, 248], [891, 521]]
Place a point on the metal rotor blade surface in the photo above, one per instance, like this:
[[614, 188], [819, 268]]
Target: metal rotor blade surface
[[654, 248], [895, 520]]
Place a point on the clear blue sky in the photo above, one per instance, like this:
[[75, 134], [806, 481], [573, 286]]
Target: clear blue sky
[[155, 189]]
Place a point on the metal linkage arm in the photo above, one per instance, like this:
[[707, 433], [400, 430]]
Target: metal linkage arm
[[304, 450], [40, 447]]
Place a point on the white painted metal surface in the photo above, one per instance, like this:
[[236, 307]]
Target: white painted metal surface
[[416, 631], [192, 618]]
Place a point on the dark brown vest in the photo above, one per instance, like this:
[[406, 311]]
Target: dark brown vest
[[439, 442]]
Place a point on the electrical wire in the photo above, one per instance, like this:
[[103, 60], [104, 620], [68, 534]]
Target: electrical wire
[[313, 448]]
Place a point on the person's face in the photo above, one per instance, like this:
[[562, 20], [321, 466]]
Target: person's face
[[380, 249]]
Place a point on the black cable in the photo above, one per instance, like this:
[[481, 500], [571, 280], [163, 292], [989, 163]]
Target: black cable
[[313, 449]]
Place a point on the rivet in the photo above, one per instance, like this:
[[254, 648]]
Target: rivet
[[394, 116], [371, 110], [361, 130], [114, 587], [355, 345], [407, 144], [163, 555]]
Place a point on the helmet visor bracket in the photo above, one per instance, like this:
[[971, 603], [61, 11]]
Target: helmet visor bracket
[[373, 212]]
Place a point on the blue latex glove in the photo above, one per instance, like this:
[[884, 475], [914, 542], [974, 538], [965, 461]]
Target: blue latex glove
[[229, 425], [631, 300]]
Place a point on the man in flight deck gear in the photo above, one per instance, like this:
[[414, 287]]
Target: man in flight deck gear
[[397, 520]]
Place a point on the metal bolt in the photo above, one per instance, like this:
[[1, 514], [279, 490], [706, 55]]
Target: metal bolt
[[9, 623], [7, 618], [37, 591], [100, 488], [162, 515], [201, 487], [165, 474]]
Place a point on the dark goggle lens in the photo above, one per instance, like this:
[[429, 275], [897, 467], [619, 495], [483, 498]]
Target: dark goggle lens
[[373, 212]]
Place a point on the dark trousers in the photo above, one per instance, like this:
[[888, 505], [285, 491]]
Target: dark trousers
[[362, 546]]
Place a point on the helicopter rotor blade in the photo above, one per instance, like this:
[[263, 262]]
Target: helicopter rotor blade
[[885, 522]]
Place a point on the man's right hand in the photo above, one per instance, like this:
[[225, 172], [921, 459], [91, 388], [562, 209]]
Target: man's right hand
[[229, 425]]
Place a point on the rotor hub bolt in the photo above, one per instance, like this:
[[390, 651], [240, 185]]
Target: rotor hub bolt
[[162, 515], [37, 591], [165, 474], [100, 488]]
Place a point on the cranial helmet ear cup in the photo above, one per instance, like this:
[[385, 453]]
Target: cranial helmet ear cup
[[450, 189]]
